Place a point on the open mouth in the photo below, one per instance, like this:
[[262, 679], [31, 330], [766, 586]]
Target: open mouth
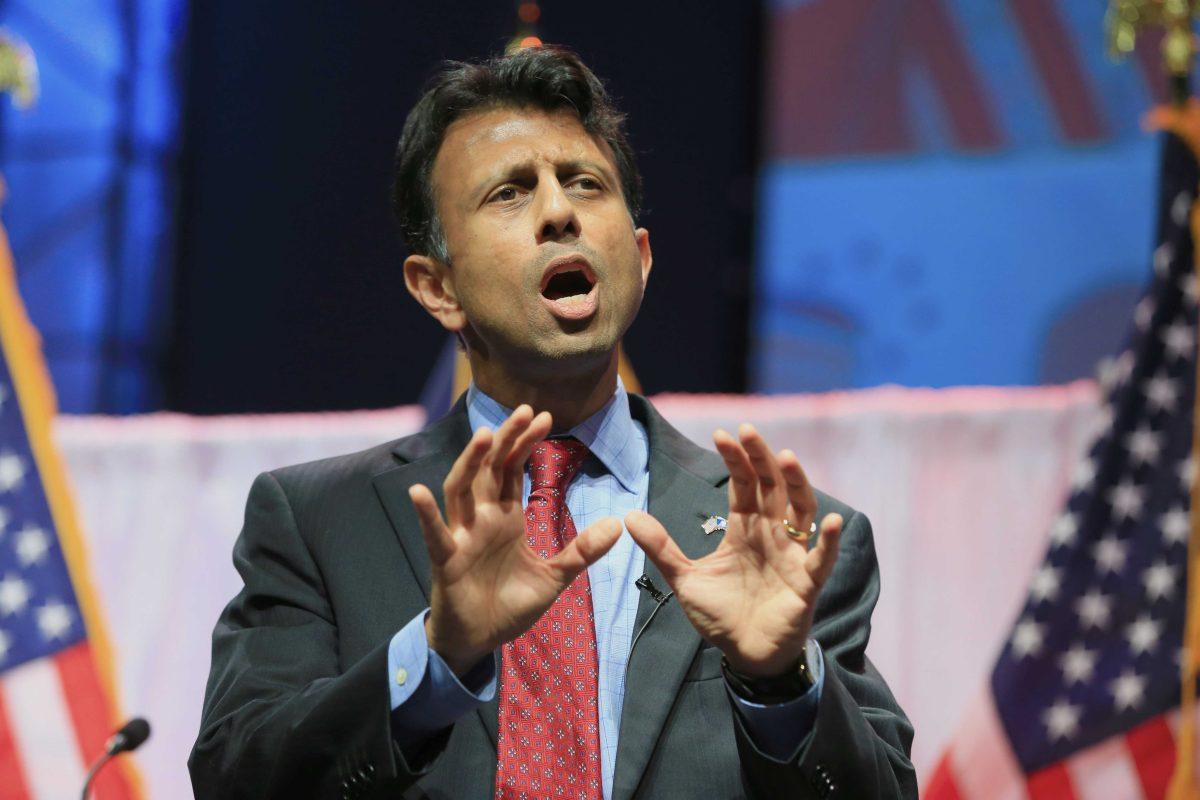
[[571, 285], [568, 288]]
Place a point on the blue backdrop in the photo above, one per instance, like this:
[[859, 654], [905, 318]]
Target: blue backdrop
[[954, 193], [90, 207]]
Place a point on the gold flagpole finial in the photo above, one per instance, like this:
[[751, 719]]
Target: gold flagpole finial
[[18, 70], [1125, 19]]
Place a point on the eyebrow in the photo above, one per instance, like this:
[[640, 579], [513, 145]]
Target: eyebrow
[[508, 171]]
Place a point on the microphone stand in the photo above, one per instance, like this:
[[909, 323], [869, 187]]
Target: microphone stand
[[87, 785]]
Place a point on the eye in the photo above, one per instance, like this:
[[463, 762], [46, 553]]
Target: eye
[[588, 184], [505, 194]]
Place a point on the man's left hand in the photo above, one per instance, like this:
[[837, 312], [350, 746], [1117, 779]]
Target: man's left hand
[[753, 597]]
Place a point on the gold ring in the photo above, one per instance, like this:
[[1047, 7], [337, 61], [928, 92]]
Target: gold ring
[[793, 532]]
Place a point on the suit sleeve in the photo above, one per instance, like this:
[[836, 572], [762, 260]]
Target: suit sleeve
[[860, 742], [282, 717]]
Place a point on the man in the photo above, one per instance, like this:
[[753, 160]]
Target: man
[[461, 613]]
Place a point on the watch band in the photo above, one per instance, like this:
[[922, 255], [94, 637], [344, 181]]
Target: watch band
[[793, 683]]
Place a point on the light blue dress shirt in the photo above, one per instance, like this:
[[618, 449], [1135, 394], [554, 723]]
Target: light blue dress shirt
[[426, 696]]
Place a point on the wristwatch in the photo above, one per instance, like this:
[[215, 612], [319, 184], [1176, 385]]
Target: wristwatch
[[793, 683]]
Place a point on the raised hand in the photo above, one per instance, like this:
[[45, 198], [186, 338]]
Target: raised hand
[[753, 597], [488, 585]]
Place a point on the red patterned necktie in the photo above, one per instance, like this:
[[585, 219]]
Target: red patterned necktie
[[549, 718]]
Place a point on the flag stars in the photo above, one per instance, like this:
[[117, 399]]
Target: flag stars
[[12, 471], [1143, 313], [1085, 473], [1159, 580], [1176, 525], [14, 595], [1110, 554], [1187, 473], [1144, 445], [1128, 691], [1181, 206], [54, 620], [1061, 720], [1126, 499], [1094, 609], [32, 545], [1187, 285], [1162, 259], [1143, 634], [1101, 424], [1179, 339], [1027, 638], [1114, 372], [1045, 584], [1162, 393], [1078, 664], [1064, 530]]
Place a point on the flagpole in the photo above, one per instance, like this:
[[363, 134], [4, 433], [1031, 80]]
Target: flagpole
[[1183, 782], [1123, 21]]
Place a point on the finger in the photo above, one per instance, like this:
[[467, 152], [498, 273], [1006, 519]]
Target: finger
[[438, 539], [658, 545], [743, 483], [585, 549], [460, 500], [770, 479], [823, 557], [513, 479], [502, 444], [799, 491]]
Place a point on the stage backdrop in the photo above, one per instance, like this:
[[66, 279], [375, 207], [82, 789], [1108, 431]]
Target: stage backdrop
[[90, 172], [961, 485], [953, 193]]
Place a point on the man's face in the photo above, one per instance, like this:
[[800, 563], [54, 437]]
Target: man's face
[[544, 259]]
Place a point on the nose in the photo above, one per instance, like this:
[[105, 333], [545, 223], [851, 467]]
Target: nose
[[558, 219]]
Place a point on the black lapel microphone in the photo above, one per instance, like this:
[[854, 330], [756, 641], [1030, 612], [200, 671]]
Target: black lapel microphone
[[646, 585], [130, 737]]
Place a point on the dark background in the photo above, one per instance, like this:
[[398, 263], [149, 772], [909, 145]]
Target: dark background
[[289, 294]]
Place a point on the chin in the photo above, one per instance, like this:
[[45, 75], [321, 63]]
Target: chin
[[577, 353]]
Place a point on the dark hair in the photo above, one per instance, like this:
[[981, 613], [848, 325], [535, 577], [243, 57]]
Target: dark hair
[[548, 78]]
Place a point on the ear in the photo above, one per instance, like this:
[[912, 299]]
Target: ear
[[642, 236], [431, 283]]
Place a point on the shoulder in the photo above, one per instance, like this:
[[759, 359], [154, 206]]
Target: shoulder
[[326, 477], [670, 444]]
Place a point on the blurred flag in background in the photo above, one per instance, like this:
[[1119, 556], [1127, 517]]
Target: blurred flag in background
[[1084, 699], [56, 672]]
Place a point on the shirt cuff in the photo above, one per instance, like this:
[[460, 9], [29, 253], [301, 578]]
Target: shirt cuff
[[781, 729], [426, 695]]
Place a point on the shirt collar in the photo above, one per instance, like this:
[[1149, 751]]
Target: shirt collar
[[609, 433]]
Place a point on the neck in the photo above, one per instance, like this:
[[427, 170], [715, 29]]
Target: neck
[[570, 398]]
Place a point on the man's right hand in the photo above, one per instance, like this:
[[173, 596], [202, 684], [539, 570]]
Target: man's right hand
[[489, 586]]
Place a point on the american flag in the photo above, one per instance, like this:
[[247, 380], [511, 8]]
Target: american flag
[[56, 707], [1083, 701]]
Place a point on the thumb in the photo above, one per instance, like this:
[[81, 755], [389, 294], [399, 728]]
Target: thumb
[[586, 548], [822, 558], [658, 545]]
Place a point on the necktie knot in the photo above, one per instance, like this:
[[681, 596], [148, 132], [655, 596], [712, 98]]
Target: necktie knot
[[553, 463]]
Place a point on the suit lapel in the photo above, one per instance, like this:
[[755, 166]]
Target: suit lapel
[[686, 486], [427, 459]]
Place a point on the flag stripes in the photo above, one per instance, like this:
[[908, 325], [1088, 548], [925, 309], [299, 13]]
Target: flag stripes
[[41, 730], [12, 773], [1136, 765]]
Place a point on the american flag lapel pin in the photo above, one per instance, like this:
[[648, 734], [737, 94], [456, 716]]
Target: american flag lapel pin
[[713, 524]]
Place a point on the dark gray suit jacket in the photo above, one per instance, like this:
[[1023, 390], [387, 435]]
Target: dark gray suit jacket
[[334, 564]]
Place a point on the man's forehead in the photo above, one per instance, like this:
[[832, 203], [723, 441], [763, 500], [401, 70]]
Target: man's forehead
[[487, 140]]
